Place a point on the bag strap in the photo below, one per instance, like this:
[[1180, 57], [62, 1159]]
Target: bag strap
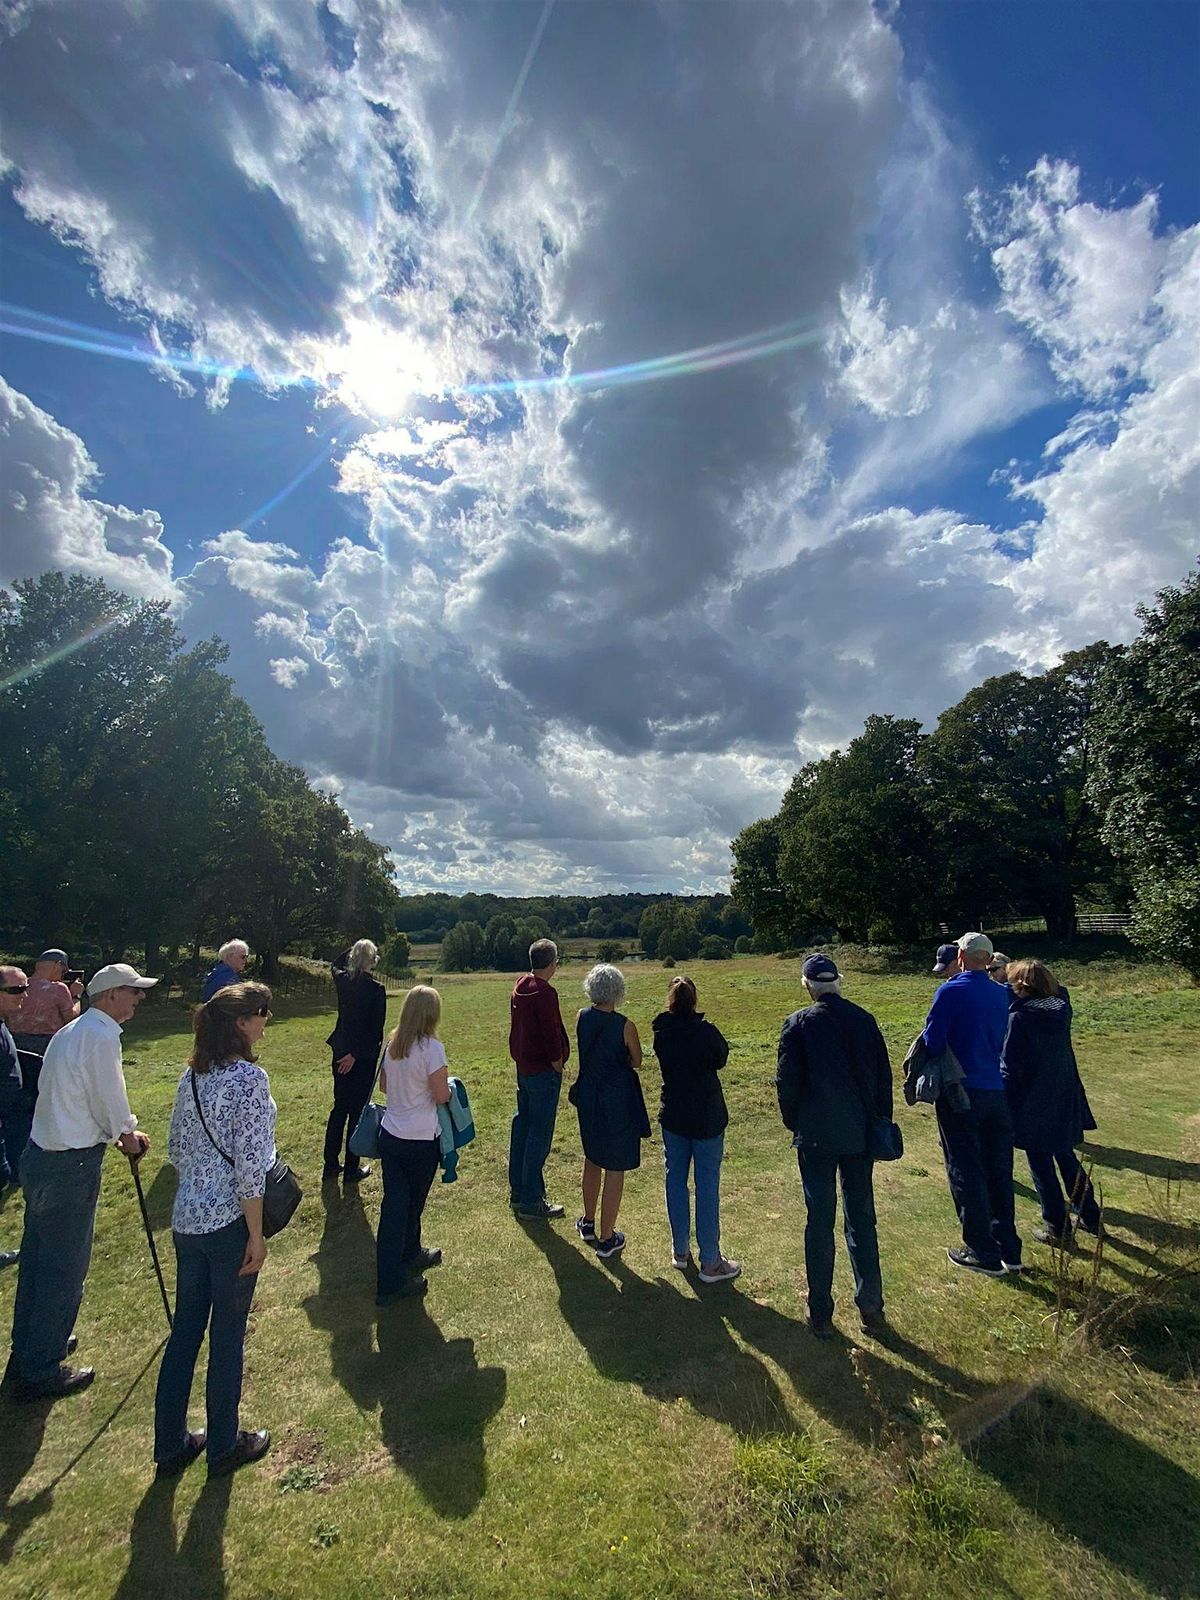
[[203, 1124]]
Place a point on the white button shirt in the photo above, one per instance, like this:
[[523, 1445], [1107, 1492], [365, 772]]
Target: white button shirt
[[81, 1091]]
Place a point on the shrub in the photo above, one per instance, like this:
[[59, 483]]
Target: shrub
[[743, 944], [668, 961], [609, 950], [713, 948]]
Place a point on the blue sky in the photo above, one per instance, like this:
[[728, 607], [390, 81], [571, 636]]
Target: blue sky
[[575, 636]]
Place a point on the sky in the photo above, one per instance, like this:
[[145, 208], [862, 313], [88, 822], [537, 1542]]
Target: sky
[[576, 415]]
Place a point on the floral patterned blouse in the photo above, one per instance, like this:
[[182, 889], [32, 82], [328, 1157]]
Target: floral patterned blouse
[[239, 1111]]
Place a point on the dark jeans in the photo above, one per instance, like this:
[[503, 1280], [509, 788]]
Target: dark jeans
[[532, 1135], [1074, 1179], [61, 1191], [209, 1296], [15, 1122], [33, 1048], [408, 1168], [351, 1091], [978, 1149], [818, 1173]]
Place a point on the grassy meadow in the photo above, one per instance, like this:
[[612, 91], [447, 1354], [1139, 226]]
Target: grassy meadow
[[546, 1425]]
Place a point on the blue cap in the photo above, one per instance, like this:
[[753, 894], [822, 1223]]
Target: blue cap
[[820, 969], [947, 957], [55, 955]]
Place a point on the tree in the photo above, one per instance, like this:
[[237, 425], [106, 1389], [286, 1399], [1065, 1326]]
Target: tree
[[1008, 769], [397, 953], [608, 950], [758, 889], [743, 945], [714, 948], [1145, 778], [462, 948]]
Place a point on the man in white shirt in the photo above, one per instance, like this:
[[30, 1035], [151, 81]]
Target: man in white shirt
[[82, 1108]]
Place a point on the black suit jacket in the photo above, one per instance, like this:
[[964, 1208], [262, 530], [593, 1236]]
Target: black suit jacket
[[362, 1008]]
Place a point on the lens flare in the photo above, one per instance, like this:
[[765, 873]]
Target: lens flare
[[63, 651]]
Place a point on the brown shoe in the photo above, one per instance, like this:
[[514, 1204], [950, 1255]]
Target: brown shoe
[[67, 1380], [249, 1447], [182, 1459]]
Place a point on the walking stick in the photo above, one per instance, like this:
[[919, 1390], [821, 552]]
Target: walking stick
[[137, 1178]]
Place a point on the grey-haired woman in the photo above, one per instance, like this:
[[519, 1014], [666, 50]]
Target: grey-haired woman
[[607, 1095]]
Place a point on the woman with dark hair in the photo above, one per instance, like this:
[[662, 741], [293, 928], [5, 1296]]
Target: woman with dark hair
[[222, 1143], [1049, 1108], [691, 1052], [356, 1041]]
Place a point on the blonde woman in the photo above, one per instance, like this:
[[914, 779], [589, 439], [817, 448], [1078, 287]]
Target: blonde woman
[[416, 1080]]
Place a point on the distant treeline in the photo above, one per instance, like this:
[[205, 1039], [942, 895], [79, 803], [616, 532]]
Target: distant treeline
[[140, 806], [1032, 796]]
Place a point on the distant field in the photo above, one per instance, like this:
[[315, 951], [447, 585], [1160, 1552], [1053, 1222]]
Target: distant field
[[545, 1425]]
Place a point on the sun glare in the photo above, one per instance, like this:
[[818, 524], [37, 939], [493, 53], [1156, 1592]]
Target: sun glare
[[379, 372]]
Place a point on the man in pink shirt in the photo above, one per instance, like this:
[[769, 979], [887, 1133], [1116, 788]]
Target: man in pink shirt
[[49, 1005]]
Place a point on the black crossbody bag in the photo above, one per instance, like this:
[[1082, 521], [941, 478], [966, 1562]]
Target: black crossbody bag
[[283, 1192]]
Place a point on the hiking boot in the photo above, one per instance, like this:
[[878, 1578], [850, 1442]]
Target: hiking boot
[[970, 1262]]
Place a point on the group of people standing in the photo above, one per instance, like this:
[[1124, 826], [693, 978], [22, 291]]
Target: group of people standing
[[994, 1057]]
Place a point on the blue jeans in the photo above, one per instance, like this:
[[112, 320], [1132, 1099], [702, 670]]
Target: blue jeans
[[209, 1297], [819, 1173], [1050, 1193], [532, 1135], [679, 1152], [978, 1149], [61, 1191]]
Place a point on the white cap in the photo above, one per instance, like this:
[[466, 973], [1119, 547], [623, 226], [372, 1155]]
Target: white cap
[[119, 975], [999, 959], [975, 944]]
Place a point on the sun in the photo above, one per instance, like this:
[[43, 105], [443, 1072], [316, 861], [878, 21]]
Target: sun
[[379, 371]]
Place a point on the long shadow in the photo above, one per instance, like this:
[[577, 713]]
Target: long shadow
[[160, 1196], [1101, 1486], [1140, 1161], [193, 1569], [22, 1429], [435, 1401]]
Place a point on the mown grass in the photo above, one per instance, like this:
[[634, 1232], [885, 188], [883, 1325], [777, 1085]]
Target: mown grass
[[544, 1424]]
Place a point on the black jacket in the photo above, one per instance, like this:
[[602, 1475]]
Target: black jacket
[[833, 1072], [362, 1009], [1049, 1108], [690, 1053]]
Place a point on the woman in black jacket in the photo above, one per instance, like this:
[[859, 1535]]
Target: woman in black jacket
[[356, 1042], [1049, 1108], [691, 1052]]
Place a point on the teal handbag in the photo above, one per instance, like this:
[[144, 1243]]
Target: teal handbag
[[364, 1141]]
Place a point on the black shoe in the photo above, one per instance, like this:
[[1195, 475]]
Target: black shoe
[[67, 1380], [586, 1231], [249, 1447], [182, 1459], [872, 1322], [821, 1327], [424, 1259], [971, 1263], [611, 1246], [412, 1290], [72, 1344], [9, 1258], [358, 1173], [542, 1212]]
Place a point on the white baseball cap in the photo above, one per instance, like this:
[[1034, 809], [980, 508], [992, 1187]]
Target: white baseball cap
[[975, 944], [118, 975]]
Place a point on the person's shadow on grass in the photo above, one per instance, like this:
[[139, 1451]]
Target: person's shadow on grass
[[1153, 1166], [24, 1427], [434, 1399], [193, 1569]]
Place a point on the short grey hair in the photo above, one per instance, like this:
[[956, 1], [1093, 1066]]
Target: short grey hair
[[234, 947], [363, 955], [604, 985], [822, 986], [543, 953]]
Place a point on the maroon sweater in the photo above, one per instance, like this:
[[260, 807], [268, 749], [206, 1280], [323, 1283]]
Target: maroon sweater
[[536, 1036]]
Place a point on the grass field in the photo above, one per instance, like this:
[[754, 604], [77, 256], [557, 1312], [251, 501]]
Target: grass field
[[546, 1425]]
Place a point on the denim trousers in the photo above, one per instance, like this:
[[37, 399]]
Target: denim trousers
[[209, 1297], [819, 1173], [978, 1149], [351, 1091], [61, 1191], [532, 1135], [408, 1167], [679, 1154], [1075, 1181]]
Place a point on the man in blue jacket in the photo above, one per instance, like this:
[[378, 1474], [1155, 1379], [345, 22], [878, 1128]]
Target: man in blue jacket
[[970, 1015], [833, 1076]]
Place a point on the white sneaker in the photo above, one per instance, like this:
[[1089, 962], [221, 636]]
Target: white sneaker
[[720, 1271], [682, 1263]]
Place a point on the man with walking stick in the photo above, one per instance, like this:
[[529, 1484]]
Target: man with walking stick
[[82, 1108]]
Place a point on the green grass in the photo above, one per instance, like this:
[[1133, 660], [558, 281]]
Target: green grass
[[545, 1424]]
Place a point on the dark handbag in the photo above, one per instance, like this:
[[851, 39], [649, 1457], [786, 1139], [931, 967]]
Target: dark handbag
[[282, 1193], [885, 1142]]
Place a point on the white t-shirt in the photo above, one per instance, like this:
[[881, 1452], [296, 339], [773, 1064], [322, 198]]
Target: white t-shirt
[[411, 1109]]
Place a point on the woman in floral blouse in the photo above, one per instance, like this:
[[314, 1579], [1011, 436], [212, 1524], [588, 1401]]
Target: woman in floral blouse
[[217, 1228]]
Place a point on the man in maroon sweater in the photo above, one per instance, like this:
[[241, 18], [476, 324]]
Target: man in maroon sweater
[[537, 1042]]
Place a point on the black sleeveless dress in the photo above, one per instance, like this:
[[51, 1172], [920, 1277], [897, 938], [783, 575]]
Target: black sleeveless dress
[[608, 1094]]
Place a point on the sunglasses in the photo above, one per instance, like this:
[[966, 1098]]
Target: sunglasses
[[15, 988], [263, 1011]]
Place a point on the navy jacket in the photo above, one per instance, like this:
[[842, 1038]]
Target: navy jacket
[[833, 1072], [362, 1008], [219, 977], [1049, 1108], [690, 1052]]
